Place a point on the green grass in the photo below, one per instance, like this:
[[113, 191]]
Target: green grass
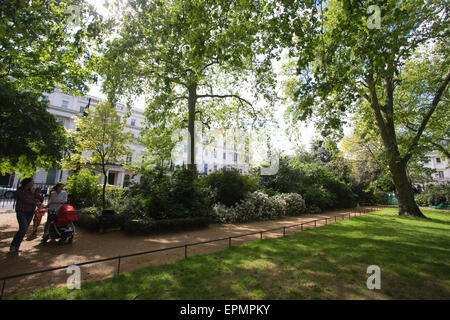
[[329, 262]]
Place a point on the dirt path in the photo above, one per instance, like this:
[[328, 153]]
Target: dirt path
[[91, 246]]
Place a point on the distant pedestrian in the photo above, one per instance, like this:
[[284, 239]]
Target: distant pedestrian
[[25, 205]]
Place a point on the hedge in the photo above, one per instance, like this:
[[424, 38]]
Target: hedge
[[147, 226]]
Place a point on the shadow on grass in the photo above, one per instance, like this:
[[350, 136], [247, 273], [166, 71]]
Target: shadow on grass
[[324, 263]]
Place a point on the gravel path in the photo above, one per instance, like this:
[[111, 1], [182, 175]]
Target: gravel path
[[91, 246]]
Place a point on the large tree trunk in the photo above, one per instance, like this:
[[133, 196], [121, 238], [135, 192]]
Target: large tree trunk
[[384, 115], [405, 195], [192, 99]]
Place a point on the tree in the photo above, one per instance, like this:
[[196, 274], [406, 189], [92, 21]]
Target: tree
[[42, 46], [39, 50], [345, 62], [101, 135], [191, 58], [31, 137]]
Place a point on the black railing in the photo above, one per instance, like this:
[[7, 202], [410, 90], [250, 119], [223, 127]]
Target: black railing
[[8, 201], [185, 246]]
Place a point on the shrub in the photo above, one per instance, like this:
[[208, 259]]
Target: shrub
[[295, 205], [421, 200], [165, 195], [87, 219], [147, 226], [313, 209], [229, 186], [83, 189], [259, 206]]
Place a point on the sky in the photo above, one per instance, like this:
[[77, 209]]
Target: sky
[[280, 140]]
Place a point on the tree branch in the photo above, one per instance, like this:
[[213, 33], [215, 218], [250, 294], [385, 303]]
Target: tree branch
[[434, 103]]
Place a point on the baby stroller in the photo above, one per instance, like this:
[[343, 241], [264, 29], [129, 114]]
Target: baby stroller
[[61, 224]]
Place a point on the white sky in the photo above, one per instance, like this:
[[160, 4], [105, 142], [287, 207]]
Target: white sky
[[281, 141]]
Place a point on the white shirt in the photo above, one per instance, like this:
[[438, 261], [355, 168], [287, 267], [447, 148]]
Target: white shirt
[[57, 200]]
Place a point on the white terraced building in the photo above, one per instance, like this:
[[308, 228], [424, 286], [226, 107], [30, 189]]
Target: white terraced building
[[441, 165], [64, 107]]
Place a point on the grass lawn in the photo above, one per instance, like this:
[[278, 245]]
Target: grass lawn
[[329, 262]]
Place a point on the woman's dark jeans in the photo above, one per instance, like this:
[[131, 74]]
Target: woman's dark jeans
[[24, 219]]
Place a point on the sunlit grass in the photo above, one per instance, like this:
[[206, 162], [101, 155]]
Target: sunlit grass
[[329, 262]]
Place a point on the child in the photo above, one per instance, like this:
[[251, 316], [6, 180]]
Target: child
[[39, 212]]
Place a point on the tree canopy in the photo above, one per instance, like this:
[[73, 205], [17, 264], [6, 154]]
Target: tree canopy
[[194, 60], [344, 64]]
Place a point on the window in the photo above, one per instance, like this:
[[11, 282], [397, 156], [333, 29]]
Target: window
[[215, 167], [224, 156], [235, 157], [440, 174], [438, 160], [133, 122], [82, 110], [215, 153], [45, 99], [129, 159], [65, 104], [246, 159], [61, 122]]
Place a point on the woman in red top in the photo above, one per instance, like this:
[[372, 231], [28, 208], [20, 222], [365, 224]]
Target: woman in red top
[[25, 205]]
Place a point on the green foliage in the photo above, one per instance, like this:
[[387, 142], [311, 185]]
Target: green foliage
[[83, 189], [31, 137], [320, 184], [101, 134], [88, 219], [148, 226], [162, 194], [229, 186], [434, 195], [257, 206], [40, 48]]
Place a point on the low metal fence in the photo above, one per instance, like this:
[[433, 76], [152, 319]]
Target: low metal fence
[[356, 212], [7, 195]]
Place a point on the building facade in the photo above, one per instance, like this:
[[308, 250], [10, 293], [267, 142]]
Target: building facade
[[210, 157], [441, 165]]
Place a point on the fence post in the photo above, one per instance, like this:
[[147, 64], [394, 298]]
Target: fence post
[[301, 226], [334, 218], [326, 220], [229, 242], [118, 266], [185, 251], [284, 231], [261, 235], [315, 225], [3, 289]]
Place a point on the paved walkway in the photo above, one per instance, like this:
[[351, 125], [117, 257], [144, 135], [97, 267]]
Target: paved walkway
[[91, 246]]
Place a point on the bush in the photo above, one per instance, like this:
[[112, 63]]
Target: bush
[[88, 219], [148, 226], [228, 186], [83, 189], [313, 210], [259, 206], [421, 200], [434, 195], [165, 195], [295, 205]]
